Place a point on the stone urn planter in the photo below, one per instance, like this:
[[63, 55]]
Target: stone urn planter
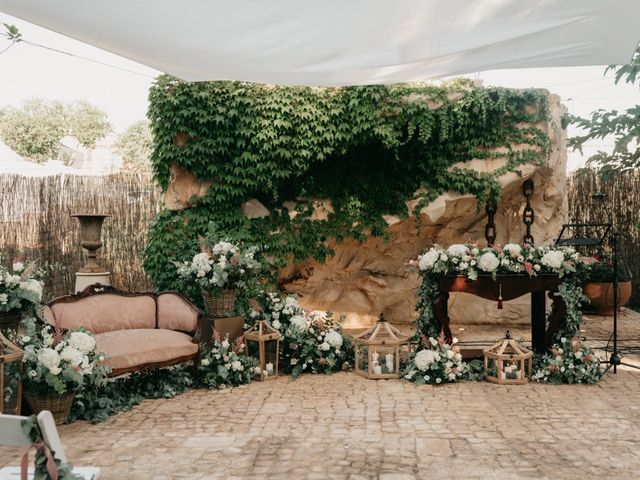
[[600, 295]]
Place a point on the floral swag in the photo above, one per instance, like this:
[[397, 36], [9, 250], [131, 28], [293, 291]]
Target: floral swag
[[470, 261]]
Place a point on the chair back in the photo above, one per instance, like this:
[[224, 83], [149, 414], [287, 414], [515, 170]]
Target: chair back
[[11, 433]]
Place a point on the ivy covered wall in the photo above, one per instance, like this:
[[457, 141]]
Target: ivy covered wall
[[366, 149]]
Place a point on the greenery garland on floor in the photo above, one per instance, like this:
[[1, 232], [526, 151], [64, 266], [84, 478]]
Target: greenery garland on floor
[[569, 361], [287, 145]]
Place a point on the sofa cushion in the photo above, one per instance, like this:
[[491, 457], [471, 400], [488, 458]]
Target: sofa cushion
[[133, 348], [176, 313], [107, 312]]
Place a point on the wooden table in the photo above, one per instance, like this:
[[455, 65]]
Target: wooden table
[[511, 286]]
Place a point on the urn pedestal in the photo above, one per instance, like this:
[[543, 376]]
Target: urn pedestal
[[91, 240]]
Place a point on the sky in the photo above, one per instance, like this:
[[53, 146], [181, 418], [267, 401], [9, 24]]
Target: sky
[[121, 86]]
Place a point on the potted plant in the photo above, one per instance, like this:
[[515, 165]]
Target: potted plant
[[219, 271], [56, 366], [599, 284], [20, 291]]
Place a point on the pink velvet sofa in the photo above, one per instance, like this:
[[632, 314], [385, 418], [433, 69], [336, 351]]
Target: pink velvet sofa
[[136, 331]]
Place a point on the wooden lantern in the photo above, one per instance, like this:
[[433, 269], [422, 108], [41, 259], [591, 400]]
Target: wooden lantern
[[513, 363], [10, 384], [263, 342], [378, 351]]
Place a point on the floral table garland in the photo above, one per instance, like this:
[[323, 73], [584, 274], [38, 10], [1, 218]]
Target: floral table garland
[[577, 364]]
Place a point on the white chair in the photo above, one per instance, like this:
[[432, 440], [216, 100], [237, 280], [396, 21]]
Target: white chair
[[11, 434]]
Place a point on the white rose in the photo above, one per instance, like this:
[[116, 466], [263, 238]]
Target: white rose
[[536, 267], [457, 250], [225, 343], [433, 341], [438, 380], [48, 358], [26, 339], [18, 267], [513, 249], [488, 262], [428, 260], [33, 373], [552, 259], [82, 342], [205, 362], [334, 339], [71, 355], [578, 354], [294, 361], [236, 365]]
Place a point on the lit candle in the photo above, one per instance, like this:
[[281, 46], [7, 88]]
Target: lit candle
[[389, 361]]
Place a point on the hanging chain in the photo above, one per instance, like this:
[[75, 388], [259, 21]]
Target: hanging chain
[[490, 228], [529, 215]]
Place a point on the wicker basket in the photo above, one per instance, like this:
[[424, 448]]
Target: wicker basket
[[220, 304], [58, 405]]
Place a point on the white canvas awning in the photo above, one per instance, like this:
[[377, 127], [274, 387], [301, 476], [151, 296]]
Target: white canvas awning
[[344, 42]]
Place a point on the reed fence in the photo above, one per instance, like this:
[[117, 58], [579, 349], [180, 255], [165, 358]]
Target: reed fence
[[622, 204], [35, 222]]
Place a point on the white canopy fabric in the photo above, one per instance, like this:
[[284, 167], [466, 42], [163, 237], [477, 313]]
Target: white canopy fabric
[[344, 42]]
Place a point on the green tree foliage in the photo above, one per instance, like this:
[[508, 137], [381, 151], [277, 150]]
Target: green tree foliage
[[367, 149], [35, 129], [135, 145], [624, 127]]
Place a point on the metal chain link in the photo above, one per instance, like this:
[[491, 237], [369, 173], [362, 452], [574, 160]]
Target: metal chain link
[[528, 215], [490, 228]]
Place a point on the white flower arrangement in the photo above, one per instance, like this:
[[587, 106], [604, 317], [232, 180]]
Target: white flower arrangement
[[223, 266], [224, 364], [470, 261], [312, 341], [20, 286], [436, 362], [60, 363], [569, 361]]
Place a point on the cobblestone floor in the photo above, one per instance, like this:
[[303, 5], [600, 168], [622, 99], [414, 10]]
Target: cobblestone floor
[[344, 427]]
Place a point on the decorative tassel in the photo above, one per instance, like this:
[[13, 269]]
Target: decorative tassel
[[500, 297]]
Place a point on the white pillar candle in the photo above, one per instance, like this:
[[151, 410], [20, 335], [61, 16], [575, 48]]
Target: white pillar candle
[[374, 357], [265, 373], [270, 368], [377, 369], [389, 361]]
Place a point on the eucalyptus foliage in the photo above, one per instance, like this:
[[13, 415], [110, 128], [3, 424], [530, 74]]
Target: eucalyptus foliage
[[366, 149]]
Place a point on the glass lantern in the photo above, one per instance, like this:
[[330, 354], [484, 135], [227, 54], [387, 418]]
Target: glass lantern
[[378, 351], [508, 362], [263, 343], [10, 384]]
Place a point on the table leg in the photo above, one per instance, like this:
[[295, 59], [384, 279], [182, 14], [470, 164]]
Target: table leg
[[538, 313]]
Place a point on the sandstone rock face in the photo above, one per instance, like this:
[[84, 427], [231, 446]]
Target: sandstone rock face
[[363, 280], [184, 189]]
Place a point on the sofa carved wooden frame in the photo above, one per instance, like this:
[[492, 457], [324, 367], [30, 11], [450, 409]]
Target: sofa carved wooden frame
[[99, 289]]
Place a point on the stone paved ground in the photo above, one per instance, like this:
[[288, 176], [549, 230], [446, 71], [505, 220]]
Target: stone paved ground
[[345, 427]]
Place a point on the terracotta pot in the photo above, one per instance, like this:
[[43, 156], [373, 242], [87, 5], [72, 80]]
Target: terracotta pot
[[601, 295]]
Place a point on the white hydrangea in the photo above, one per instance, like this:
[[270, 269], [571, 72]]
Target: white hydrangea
[[428, 260], [49, 358], [200, 264], [4, 298], [276, 324], [32, 286], [333, 338], [553, 259], [299, 322], [17, 267], [488, 262], [236, 366], [513, 249], [457, 250], [324, 346], [82, 342], [224, 248], [72, 355], [11, 280], [424, 359]]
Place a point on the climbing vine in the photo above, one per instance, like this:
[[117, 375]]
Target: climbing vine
[[366, 149]]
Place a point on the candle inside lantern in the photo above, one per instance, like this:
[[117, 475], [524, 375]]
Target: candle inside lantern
[[265, 373], [374, 357], [389, 361], [377, 369], [270, 368]]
